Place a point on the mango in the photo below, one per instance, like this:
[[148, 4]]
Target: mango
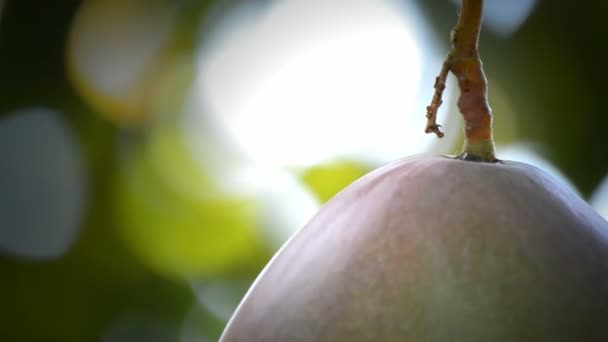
[[432, 248]]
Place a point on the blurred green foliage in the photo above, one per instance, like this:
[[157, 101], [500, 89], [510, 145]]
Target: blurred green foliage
[[326, 180], [177, 219]]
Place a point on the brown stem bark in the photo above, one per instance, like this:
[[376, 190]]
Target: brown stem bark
[[464, 62]]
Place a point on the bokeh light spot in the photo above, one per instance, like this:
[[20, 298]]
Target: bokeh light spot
[[310, 81], [599, 199], [114, 51], [220, 297], [505, 17], [284, 202], [42, 185]]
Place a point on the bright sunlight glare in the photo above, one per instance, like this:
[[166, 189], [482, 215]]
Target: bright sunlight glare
[[308, 81]]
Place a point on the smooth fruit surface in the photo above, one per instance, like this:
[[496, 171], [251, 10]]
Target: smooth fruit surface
[[431, 248]]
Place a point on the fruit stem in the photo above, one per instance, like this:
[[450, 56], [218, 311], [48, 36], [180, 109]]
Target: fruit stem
[[464, 62]]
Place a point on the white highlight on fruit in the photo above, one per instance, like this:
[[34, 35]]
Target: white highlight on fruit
[[311, 80], [42, 185]]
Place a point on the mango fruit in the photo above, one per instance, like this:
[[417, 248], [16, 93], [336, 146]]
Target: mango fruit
[[432, 248]]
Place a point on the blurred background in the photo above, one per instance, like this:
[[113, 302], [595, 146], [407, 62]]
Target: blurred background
[[154, 154]]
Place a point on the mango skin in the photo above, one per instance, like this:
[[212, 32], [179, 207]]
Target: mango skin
[[431, 248]]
